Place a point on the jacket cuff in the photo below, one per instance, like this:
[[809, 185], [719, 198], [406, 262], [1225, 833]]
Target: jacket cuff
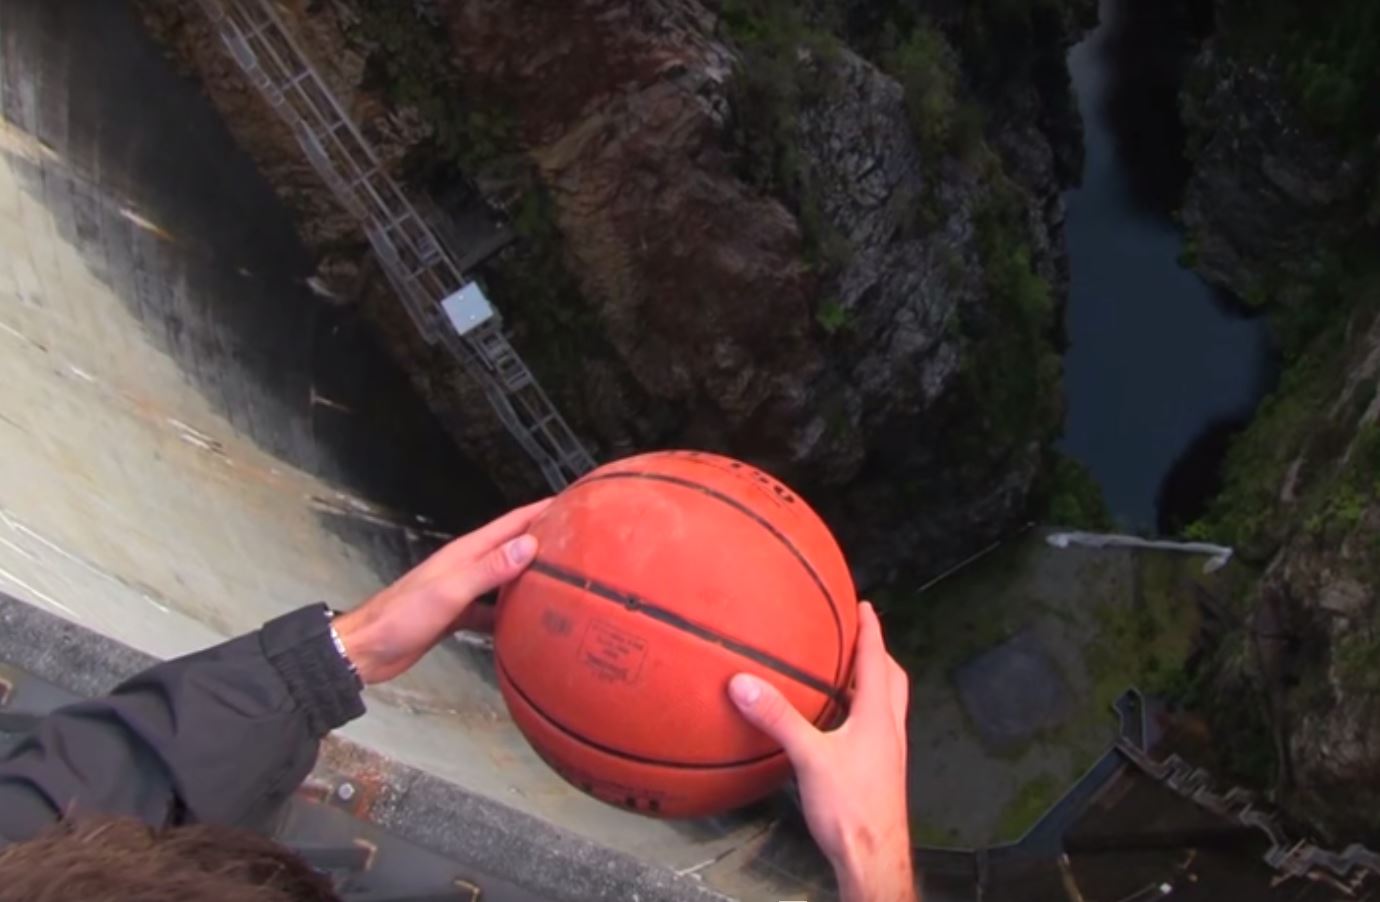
[[322, 683]]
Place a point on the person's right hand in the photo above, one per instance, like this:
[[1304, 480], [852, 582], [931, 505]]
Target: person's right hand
[[853, 779]]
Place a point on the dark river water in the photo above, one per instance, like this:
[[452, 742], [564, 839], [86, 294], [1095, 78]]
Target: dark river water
[[1161, 368]]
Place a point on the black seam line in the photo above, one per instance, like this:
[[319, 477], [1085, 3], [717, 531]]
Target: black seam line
[[760, 521], [619, 753], [644, 607]]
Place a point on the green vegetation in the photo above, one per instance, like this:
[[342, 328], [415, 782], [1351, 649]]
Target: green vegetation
[[927, 69], [561, 330], [1303, 470], [768, 91], [1245, 514], [927, 58], [833, 317], [1307, 469], [958, 60], [1287, 463], [1068, 495], [942, 117], [1107, 621], [923, 833], [963, 615], [1147, 643], [408, 63], [1011, 370], [1031, 800], [999, 42], [1007, 41], [1357, 659], [1243, 740], [1329, 54], [1146, 639], [1356, 485]]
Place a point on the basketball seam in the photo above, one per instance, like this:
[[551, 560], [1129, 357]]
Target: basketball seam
[[638, 605], [760, 521], [736, 469], [619, 753]]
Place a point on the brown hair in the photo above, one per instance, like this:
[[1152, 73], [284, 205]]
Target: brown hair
[[110, 860]]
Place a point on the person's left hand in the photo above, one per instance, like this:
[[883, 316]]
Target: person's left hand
[[391, 631]]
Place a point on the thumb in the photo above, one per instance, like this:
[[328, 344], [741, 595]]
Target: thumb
[[498, 566], [763, 706]]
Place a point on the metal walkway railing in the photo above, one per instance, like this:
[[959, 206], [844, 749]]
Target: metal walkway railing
[[421, 269]]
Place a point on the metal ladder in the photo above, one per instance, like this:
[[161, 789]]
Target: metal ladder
[[419, 267]]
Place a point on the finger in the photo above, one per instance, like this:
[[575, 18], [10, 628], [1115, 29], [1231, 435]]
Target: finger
[[763, 706], [874, 684], [509, 526], [498, 566], [461, 552]]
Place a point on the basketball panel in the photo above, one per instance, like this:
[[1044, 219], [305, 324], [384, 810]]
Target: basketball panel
[[684, 552], [647, 788], [764, 495], [631, 683]]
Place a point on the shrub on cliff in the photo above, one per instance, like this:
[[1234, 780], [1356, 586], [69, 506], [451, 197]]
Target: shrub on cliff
[[1330, 55], [927, 69]]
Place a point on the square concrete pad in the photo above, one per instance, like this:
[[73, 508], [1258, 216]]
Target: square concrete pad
[[1013, 691]]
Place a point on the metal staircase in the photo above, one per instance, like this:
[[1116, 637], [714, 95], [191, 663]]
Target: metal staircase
[[1347, 870], [420, 268]]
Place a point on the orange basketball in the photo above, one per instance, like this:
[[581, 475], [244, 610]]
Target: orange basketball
[[657, 579]]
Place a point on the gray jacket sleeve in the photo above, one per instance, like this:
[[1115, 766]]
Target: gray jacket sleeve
[[221, 736]]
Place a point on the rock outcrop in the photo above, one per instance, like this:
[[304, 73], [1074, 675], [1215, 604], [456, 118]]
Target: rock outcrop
[[1299, 196]]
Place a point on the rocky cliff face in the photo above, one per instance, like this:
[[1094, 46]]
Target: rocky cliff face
[[1299, 199], [877, 329], [1282, 209]]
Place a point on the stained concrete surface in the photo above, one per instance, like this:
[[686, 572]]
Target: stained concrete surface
[[192, 443], [1013, 691]]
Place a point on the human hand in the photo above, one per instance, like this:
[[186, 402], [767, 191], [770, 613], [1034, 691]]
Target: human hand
[[391, 631], [853, 779]]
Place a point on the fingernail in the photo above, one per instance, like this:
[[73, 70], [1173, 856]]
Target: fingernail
[[521, 550], [745, 690]]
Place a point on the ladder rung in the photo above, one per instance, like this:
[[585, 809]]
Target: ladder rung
[[363, 176], [256, 29]]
